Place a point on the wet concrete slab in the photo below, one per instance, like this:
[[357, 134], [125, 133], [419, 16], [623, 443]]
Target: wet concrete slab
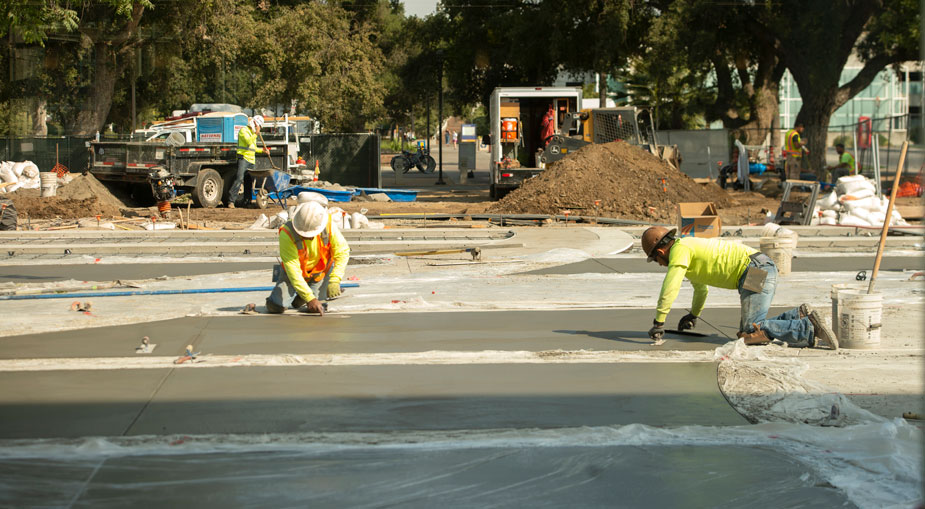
[[120, 271], [590, 329], [359, 399], [558, 476], [394, 398], [799, 264], [74, 403], [170, 336]]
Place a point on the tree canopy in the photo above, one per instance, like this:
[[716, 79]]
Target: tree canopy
[[356, 65]]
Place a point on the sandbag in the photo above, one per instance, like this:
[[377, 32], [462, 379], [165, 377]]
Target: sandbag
[[360, 221], [828, 202], [830, 214], [307, 196], [829, 221], [7, 174], [29, 170], [869, 203], [8, 215], [852, 183], [848, 219], [857, 195]]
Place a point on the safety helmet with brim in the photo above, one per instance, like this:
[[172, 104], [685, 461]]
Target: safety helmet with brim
[[654, 238], [257, 121], [309, 219]]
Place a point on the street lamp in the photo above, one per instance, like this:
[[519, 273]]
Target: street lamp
[[439, 54]]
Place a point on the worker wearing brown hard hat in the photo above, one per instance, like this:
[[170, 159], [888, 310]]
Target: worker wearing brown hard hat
[[718, 263]]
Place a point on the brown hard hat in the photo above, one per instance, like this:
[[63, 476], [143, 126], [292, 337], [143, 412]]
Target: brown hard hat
[[651, 239]]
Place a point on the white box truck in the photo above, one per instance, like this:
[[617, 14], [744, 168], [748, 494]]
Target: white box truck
[[517, 133]]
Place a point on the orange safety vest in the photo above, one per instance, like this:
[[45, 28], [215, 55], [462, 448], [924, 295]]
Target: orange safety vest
[[316, 273], [789, 147]]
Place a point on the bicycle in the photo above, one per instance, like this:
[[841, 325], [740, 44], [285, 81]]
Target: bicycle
[[421, 160]]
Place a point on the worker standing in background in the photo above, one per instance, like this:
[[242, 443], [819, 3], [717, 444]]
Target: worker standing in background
[[715, 262], [314, 258], [793, 152], [548, 126], [247, 150], [846, 165]]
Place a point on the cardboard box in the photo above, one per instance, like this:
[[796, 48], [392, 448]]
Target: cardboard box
[[698, 219]]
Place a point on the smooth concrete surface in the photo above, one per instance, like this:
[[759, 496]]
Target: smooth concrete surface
[[577, 329], [360, 399], [478, 477], [75, 403], [799, 264], [119, 271]]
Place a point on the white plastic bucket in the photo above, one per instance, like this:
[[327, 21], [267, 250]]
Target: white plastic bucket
[[836, 289], [859, 318], [779, 249], [49, 182]]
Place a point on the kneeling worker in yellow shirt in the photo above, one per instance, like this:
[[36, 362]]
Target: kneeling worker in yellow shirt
[[314, 255], [722, 264]]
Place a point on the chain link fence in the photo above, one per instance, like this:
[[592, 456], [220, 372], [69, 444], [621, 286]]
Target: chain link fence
[[346, 159], [71, 151]]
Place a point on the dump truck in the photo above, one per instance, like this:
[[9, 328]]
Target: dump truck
[[204, 167]]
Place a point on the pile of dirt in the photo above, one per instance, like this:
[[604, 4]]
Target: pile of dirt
[[84, 196], [624, 180]]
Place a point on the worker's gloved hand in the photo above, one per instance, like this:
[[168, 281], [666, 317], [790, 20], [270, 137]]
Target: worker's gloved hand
[[333, 290], [688, 322], [657, 331], [314, 306]]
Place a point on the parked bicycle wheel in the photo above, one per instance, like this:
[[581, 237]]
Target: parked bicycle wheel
[[400, 164], [427, 164]]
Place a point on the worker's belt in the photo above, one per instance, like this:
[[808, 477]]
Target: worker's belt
[[760, 258]]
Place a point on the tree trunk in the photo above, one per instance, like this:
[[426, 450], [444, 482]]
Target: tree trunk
[[601, 90], [95, 109], [815, 114], [763, 114], [39, 127]]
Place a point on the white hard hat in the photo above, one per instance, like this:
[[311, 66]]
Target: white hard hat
[[309, 219], [257, 120]]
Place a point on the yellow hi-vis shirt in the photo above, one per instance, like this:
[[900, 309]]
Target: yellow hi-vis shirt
[[704, 262], [791, 139], [247, 144], [289, 253]]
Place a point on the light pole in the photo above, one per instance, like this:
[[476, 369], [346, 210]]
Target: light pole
[[440, 181]]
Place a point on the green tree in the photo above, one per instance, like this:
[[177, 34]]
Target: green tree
[[815, 39]]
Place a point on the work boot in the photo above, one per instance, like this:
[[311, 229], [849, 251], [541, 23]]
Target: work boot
[[230, 205], [825, 338], [758, 337], [805, 310], [274, 308]]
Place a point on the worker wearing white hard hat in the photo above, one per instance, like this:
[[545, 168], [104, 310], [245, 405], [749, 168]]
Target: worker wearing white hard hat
[[247, 159], [314, 258]]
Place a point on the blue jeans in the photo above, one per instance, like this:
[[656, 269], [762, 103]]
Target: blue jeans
[[788, 326], [241, 177], [284, 295]]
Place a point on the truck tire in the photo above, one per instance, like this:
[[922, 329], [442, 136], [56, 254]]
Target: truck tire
[[209, 189]]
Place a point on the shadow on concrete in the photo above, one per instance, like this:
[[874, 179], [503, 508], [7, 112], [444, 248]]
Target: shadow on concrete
[[642, 337]]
